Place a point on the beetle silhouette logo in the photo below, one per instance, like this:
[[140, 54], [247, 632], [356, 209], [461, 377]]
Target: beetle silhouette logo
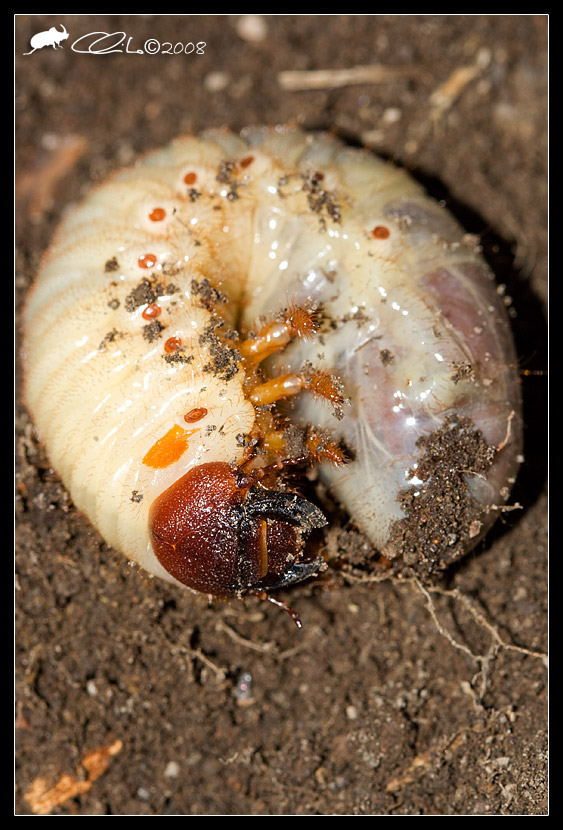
[[51, 37]]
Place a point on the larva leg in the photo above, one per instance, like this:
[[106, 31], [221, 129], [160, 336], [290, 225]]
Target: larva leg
[[321, 383], [295, 322]]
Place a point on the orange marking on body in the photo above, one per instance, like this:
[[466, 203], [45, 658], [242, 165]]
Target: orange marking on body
[[380, 232], [157, 214], [169, 448], [146, 261], [195, 414], [172, 345], [151, 311]]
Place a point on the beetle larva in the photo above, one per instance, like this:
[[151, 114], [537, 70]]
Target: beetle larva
[[189, 296]]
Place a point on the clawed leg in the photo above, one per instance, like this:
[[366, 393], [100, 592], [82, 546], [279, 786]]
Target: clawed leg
[[296, 321], [321, 383]]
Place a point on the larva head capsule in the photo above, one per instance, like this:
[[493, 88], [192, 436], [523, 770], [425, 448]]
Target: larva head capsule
[[215, 532]]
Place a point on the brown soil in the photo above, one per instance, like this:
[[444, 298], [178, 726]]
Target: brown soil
[[135, 698]]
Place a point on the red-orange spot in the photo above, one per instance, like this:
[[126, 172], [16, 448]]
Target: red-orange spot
[[172, 344], [157, 215], [245, 162], [169, 448], [190, 178], [146, 261], [151, 311], [195, 414], [380, 232]]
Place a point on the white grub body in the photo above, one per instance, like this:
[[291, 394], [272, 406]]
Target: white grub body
[[412, 325]]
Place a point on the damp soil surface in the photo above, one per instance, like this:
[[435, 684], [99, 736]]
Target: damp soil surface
[[397, 696]]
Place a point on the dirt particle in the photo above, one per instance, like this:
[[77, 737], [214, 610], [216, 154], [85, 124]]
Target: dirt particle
[[224, 360], [153, 330], [110, 337], [111, 265], [462, 371], [193, 194], [319, 199], [208, 295], [178, 356], [441, 514], [225, 175], [146, 292]]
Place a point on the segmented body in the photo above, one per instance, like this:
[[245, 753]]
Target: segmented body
[[134, 369]]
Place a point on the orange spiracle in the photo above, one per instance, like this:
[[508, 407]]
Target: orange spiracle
[[157, 214], [146, 261]]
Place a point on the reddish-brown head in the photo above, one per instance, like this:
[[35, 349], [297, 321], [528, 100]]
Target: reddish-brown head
[[215, 532]]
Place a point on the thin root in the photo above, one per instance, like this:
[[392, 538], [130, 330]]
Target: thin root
[[481, 678]]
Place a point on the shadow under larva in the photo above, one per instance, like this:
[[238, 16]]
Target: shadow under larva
[[237, 308]]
